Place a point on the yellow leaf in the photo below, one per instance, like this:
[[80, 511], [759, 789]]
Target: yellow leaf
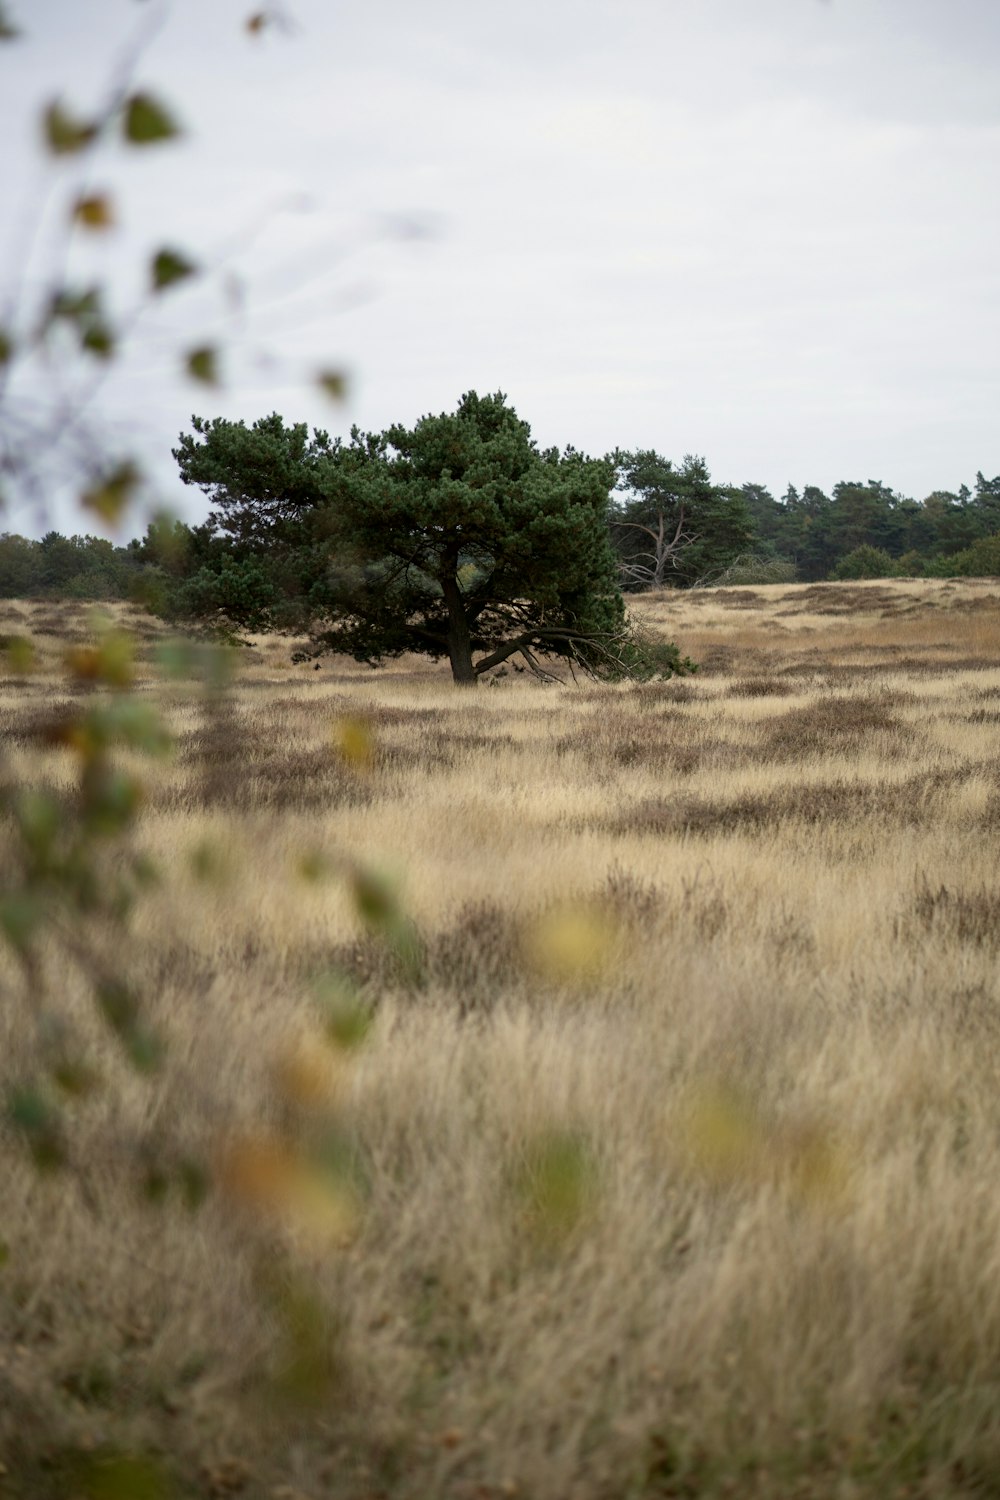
[[63, 134], [308, 1074], [257, 1172], [20, 654], [271, 1178], [116, 658], [110, 496], [572, 944], [354, 742], [94, 211], [730, 1142], [322, 1209], [556, 1182], [84, 663]]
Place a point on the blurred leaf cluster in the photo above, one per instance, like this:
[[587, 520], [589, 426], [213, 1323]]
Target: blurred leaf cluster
[[72, 874]]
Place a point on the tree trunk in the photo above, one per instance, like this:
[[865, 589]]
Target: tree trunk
[[459, 637]]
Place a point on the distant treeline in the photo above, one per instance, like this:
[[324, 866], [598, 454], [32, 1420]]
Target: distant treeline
[[730, 534], [870, 531]]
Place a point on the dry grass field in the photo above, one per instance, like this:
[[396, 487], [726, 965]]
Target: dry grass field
[[669, 1165]]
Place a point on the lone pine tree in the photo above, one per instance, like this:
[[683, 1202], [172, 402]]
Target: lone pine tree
[[457, 537]]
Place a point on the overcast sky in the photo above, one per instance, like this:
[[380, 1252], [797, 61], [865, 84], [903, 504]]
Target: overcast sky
[[765, 231]]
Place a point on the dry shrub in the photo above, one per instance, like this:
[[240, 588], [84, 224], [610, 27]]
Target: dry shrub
[[833, 724], [35, 724], [248, 771], [760, 687], [957, 916], [719, 659], [673, 692], [837, 599], [478, 958], [815, 803], [737, 598]]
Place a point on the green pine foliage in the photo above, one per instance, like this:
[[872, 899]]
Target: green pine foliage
[[457, 538]]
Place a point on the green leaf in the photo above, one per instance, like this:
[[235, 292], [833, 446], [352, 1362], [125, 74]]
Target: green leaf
[[130, 721], [121, 1476], [99, 340], [76, 307], [84, 310], [118, 1005], [208, 863], [120, 1009], [75, 1077], [20, 914], [175, 658], [147, 121], [168, 267], [203, 364], [347, 1019], [144, 1048], [374, 898], [155, 1183], [41, 1125], [333, 383], [110, 496], [6, 347], [63, 134], [111, 800], [145, 872], [39, 816], [194, 1181], [20, 654], [28, 1110]]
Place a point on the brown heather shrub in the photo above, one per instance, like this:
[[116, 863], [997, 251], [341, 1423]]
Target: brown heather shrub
[[718, 660], [760, 687], [958, 916], [836, 599], [477, 959], [829, 725], [236, 769], [35, 724], [816, 803], [737, 599], [672, 692]]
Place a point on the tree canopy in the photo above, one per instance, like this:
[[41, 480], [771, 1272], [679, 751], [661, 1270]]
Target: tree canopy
[[455, 538]]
